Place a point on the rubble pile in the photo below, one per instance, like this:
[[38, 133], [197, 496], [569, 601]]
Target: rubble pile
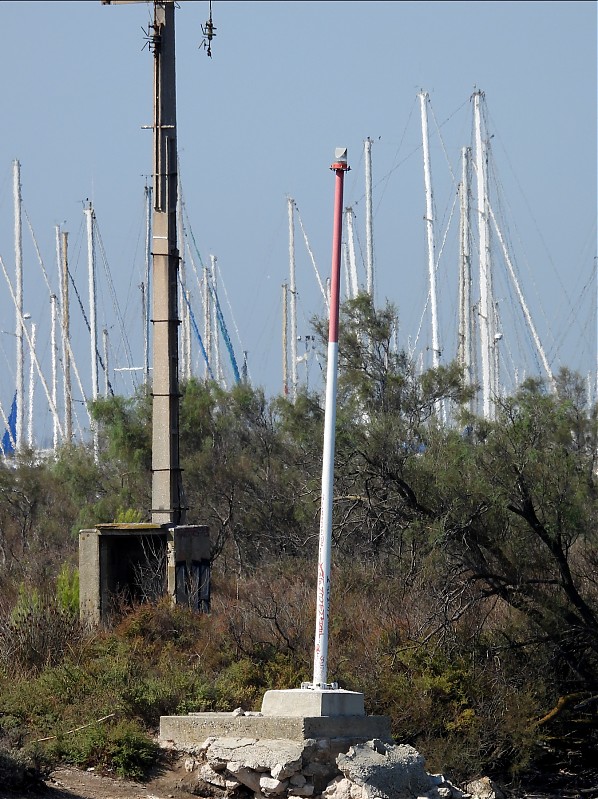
[[322, 769]]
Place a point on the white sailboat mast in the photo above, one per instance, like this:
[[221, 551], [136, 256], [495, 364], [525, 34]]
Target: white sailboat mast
[[183, 293], [285, 342], [53, 319], [293, 302], [207, 320], [89, 214], [216, 336], [465, 319], [147, 291], [353, 283], [29, 341], [369, 223], [486, 311], [31, 385], [106, 364], [423, 97], [19, 300], [66, 350], [93, 331]]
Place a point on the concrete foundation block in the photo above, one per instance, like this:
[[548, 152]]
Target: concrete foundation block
[[308, 702]]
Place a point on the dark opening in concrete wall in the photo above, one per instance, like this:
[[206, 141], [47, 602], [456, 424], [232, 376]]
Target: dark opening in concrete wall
[[129, 563]]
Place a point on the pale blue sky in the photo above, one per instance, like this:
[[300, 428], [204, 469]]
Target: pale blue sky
[[288, 82]]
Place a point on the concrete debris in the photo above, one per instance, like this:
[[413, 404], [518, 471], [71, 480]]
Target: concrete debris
[[484, 788], [323, 769], [386, 771], [238, 711]]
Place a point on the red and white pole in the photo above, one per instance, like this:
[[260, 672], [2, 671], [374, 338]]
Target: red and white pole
[[324, 554]]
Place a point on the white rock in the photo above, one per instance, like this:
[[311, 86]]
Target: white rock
[[357, 792], [301, 790], [484, 788], [238, 711], [271, 785], [262, 755], [190, 764], [339, 788], [245, 776], [207, 774], [205, 745], [282, 771]]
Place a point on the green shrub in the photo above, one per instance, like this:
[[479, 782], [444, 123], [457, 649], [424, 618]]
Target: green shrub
[[36, 635], [132, 753], [67, 590], [123, 747], [23, 769], [240, 685]]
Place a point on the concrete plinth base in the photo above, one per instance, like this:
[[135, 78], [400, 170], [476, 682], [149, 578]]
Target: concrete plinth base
[[309, 702], [192, 730]]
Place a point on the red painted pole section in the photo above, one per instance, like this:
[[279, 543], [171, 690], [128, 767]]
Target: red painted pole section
[[339, 168], [325, 542]]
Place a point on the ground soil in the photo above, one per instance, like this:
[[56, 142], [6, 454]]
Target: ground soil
[[168, 782], [172, 781]]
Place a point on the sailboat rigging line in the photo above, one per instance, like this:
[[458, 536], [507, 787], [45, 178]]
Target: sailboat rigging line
[[51, 404], [232, 316], [186, 217], [530, 272], [219, 314], [198, 334], [530, 211], [446, 230], [574, 312], [522, 301], [386, 177], [225, 336], [88, 326], [7, 428], [311, 255], [38, 253], [454, 179], [115, 304]]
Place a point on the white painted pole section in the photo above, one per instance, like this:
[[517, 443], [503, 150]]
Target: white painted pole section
[[31, 386], [369, 220], [53, 320], [293, 303], [325, 542], [19, 303], [483, 227], [423, 97]]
